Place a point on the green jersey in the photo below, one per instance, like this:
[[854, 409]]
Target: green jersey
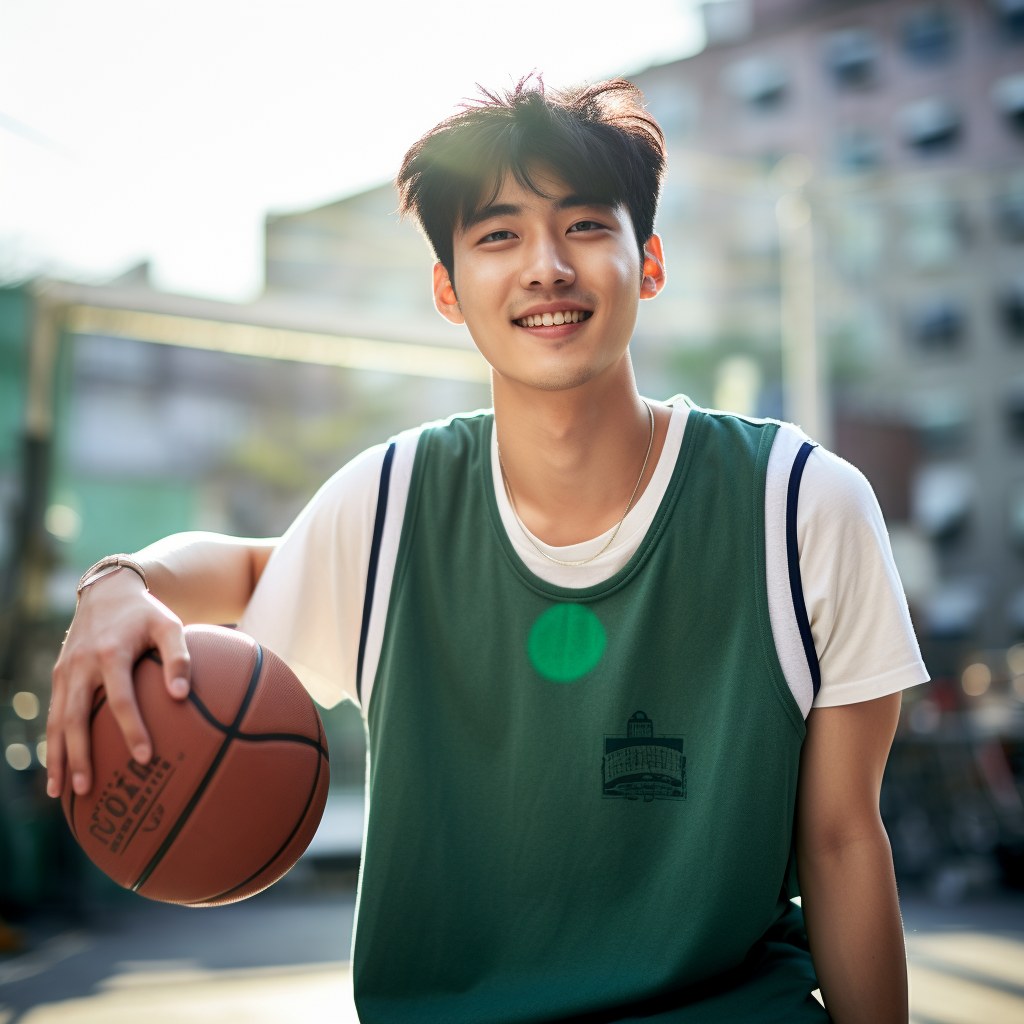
[[581, 800]]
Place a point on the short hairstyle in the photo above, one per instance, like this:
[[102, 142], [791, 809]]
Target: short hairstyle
[[597, 139]]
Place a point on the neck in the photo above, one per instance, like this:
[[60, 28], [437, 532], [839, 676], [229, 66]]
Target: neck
[[572, 457]]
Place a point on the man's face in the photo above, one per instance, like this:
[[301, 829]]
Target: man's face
[[548, 287]]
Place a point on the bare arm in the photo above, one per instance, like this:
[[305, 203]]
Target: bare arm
[[205, 577], [193, 577], [845, 864]]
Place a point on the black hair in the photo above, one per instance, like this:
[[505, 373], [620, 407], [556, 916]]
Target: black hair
[[598, 140]]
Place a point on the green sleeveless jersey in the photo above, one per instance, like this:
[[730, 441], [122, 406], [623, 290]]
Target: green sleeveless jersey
[[581, 800]]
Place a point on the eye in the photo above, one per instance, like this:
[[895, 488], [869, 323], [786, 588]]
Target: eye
[[498, 236], [586, 225]]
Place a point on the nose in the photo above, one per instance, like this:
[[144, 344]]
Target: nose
[[547, 264]]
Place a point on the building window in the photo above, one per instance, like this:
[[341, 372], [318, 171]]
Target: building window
[[858, 149], [938, 324], [1008, 97], [1011, 309], [1010, 15], [941, 420], [1009, 209], [1015, 413], [1016, 516], [929, 34], [760, 82], [857, 236], [727, 21], [929, 125], [935, 230], [675, 105], [953, 611], [852, 58], [941, 499]]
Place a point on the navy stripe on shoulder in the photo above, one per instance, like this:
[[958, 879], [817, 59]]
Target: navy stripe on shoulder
[[371, 571], [793, 557]]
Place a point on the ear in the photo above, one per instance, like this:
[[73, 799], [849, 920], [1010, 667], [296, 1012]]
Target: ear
[[654, 268], [444, 296]]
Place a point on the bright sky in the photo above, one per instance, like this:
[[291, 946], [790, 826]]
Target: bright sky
[[131, 129]]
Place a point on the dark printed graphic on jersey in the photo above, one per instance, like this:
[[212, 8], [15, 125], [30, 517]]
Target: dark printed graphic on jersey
[[643, 766]]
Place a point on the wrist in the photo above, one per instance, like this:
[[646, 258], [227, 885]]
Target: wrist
[[112, 565]]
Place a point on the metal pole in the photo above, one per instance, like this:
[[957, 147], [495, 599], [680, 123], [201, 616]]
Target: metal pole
[[804, 369], [39, 412], [31, 557]]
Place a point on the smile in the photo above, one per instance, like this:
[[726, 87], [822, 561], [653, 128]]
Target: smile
[[568, 316]]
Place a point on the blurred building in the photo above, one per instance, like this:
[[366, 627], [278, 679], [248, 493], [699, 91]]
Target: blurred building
[[357, 255], [174, 413], [907, 122], [127, 414], [895, 130]]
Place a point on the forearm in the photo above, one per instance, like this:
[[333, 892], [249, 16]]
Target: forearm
[[205, 577], [854, 929]]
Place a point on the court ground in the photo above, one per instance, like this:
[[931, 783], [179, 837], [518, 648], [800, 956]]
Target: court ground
[[282, 956]]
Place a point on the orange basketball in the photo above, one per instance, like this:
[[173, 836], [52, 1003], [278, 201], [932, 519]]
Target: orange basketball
[[236, 786]]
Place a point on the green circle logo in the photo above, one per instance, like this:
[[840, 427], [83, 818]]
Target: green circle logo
[[566, 642]]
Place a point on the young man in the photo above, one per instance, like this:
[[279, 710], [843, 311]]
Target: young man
[[628, 668]]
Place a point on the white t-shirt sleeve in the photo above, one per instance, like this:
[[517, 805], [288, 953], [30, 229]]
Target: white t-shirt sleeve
[[307, 606], [856, 608]]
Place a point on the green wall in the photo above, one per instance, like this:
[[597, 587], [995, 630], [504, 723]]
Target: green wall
[[123, 515], [15, 323]]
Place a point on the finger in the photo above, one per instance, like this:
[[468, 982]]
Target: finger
[[116, 664], [55, 741], [76, 722], [170, 642]]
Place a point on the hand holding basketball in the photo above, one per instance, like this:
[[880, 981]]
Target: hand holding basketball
[[116, 622], [234, 788]]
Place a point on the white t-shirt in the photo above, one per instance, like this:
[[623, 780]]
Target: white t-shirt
[[308, 605]]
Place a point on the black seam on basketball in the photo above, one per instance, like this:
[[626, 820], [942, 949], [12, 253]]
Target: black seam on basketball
[[292, 737], [283, 847], [251, 691], [96, 710], [289, 737], [71, 806], [210, 772], [207, 713]]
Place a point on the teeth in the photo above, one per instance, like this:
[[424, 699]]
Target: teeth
[[568, 316]]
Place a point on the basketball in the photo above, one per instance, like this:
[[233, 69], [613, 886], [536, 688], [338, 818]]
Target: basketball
[[236, 786]]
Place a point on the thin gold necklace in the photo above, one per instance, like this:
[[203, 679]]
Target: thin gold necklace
[[629, 504]]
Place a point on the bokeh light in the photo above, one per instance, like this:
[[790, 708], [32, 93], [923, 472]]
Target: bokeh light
[[63, 522], [26, 705], [19, 757], [976, 680]]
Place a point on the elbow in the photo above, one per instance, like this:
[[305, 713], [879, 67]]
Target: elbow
[[833, 840]]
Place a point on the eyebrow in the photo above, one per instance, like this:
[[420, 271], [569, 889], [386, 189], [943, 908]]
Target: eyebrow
[[574, 201], [492, 210], [512, 210]]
